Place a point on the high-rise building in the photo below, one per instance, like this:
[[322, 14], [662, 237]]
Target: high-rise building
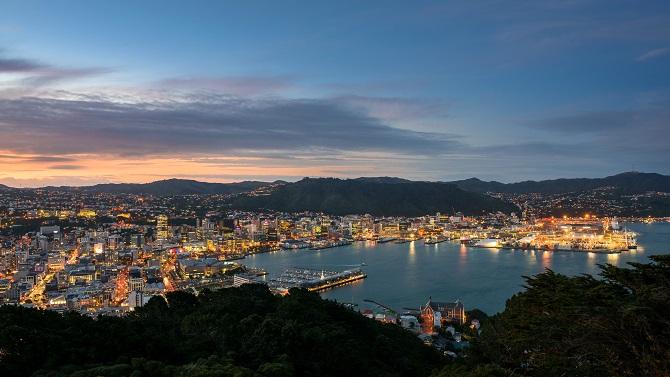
[[162, 230]]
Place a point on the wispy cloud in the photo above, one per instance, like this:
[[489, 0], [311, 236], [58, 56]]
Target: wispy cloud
[[241, 86], [48, 159], [26, 75], [9, 65], [66, 167], [653, 54], [639, 133]]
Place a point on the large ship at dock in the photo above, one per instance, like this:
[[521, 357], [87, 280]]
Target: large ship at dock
[[434, 240], [604, 236]]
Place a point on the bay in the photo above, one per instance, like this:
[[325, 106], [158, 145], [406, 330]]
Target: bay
[[406, 275]]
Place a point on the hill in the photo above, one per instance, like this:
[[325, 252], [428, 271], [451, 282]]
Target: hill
[[243, 331], [171, 187], [381, 197], [631, 182]]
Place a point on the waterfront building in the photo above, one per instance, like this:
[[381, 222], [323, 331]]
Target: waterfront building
[[205, 267], [436, 314]]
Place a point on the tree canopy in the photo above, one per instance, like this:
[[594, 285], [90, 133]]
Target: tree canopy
[[237, 331], [618, 325]]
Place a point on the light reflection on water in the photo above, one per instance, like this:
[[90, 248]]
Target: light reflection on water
[[591, 259], [546, 259], [412, 252], [613, 259], [404, 275], [463, 256]]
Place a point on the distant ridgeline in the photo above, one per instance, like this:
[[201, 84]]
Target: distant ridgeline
[[171, 187], [630, 183], [384, 196], [617, 325], [376, 196], [627, 194]]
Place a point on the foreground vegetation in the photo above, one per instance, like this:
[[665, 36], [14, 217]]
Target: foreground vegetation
[[618, 325], [232, 332]]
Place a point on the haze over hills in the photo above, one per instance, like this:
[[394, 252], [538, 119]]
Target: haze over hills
[[379, 196]]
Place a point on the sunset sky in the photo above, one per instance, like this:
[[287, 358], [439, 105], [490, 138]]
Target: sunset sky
[[130, 91]]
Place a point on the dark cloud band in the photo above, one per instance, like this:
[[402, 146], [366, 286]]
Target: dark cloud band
[[220, 125]]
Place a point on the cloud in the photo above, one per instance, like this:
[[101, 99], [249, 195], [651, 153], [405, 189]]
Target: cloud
[[8, 65], [396, 109], [49, 159], [33, 74], [640, 133], [54, 180], [53, 75], [530, 30], [9, 157], [653, 54], [241, 86], [66, 167], [211, 124]]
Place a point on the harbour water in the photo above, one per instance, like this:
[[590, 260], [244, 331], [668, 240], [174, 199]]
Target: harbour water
[[405, 275]]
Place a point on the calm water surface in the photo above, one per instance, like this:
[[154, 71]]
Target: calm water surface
[[405, 275]]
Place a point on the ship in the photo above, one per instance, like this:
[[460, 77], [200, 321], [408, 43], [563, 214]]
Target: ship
[[488, 242], [434, 240], [386, 239]]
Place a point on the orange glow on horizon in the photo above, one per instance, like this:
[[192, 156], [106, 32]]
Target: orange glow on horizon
[[29, 171]]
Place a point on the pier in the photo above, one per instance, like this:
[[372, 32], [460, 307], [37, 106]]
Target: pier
[[315, 280]]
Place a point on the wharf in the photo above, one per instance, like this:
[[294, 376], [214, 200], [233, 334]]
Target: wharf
[[597, 251], [315, 280]]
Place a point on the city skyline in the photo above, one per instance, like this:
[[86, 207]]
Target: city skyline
[[439, 91]]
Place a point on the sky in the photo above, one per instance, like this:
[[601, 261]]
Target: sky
[[222, 91]]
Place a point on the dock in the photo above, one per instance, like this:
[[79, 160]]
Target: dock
[[315, 280]]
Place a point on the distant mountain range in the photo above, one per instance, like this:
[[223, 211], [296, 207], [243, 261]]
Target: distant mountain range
[[377, 196], [170, 187], [631, 182]]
